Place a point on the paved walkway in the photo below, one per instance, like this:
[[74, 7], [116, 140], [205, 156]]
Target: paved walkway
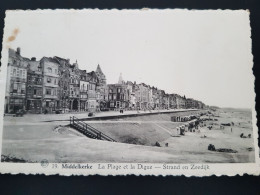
[[112, 114], [32, 118]]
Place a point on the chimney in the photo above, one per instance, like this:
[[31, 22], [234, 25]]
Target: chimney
[[18, 50], [33, 59]]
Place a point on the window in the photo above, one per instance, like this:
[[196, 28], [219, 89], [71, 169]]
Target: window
[[29, 90], [110, 91], [17, 101], [15, 88], [48, 91], [118, 90], [49, 70], [34, 92], [110, 97], [55, 81], [38, 92], [23, 88], [48, 80], [14, 72]]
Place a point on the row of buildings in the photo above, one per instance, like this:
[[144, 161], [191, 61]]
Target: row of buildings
[[55, 84]]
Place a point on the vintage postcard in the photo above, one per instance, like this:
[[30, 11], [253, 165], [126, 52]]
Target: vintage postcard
[[117, 92]]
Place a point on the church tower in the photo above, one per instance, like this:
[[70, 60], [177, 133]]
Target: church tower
[[101, 76], [75, 65], [120, 80]]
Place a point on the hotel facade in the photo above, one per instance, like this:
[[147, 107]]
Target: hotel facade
[[54, 85]]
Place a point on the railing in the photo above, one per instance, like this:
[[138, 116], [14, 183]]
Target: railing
[[88, 130]]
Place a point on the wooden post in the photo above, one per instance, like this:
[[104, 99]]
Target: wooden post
[[99, 135]]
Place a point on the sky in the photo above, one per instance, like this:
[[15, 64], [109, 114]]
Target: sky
[[205, 55]]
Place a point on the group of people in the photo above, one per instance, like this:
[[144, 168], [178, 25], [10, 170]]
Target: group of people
[[191, 126]]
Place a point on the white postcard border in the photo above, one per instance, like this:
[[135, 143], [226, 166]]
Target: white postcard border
[[46, 168]]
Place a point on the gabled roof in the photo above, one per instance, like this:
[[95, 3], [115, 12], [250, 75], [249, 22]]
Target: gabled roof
[[91, 75], [83, 72], [14, 54], [34, 66], [129, 83], [145, 85], [49, 59], [62, 61]]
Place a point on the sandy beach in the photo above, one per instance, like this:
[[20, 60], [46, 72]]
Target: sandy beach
[[34, 139]]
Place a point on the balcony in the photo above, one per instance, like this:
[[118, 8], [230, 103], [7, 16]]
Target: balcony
[[18, 79], [36, 96], [51, 74], [74, 96], [34, 83], [51, 85], [18, 95], [50, 96], [75, 85], [83, 91]]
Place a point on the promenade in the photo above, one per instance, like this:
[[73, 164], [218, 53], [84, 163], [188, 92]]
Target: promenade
[[100, 115]]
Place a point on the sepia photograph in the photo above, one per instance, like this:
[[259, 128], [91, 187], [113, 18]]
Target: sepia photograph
[[128, 86]]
